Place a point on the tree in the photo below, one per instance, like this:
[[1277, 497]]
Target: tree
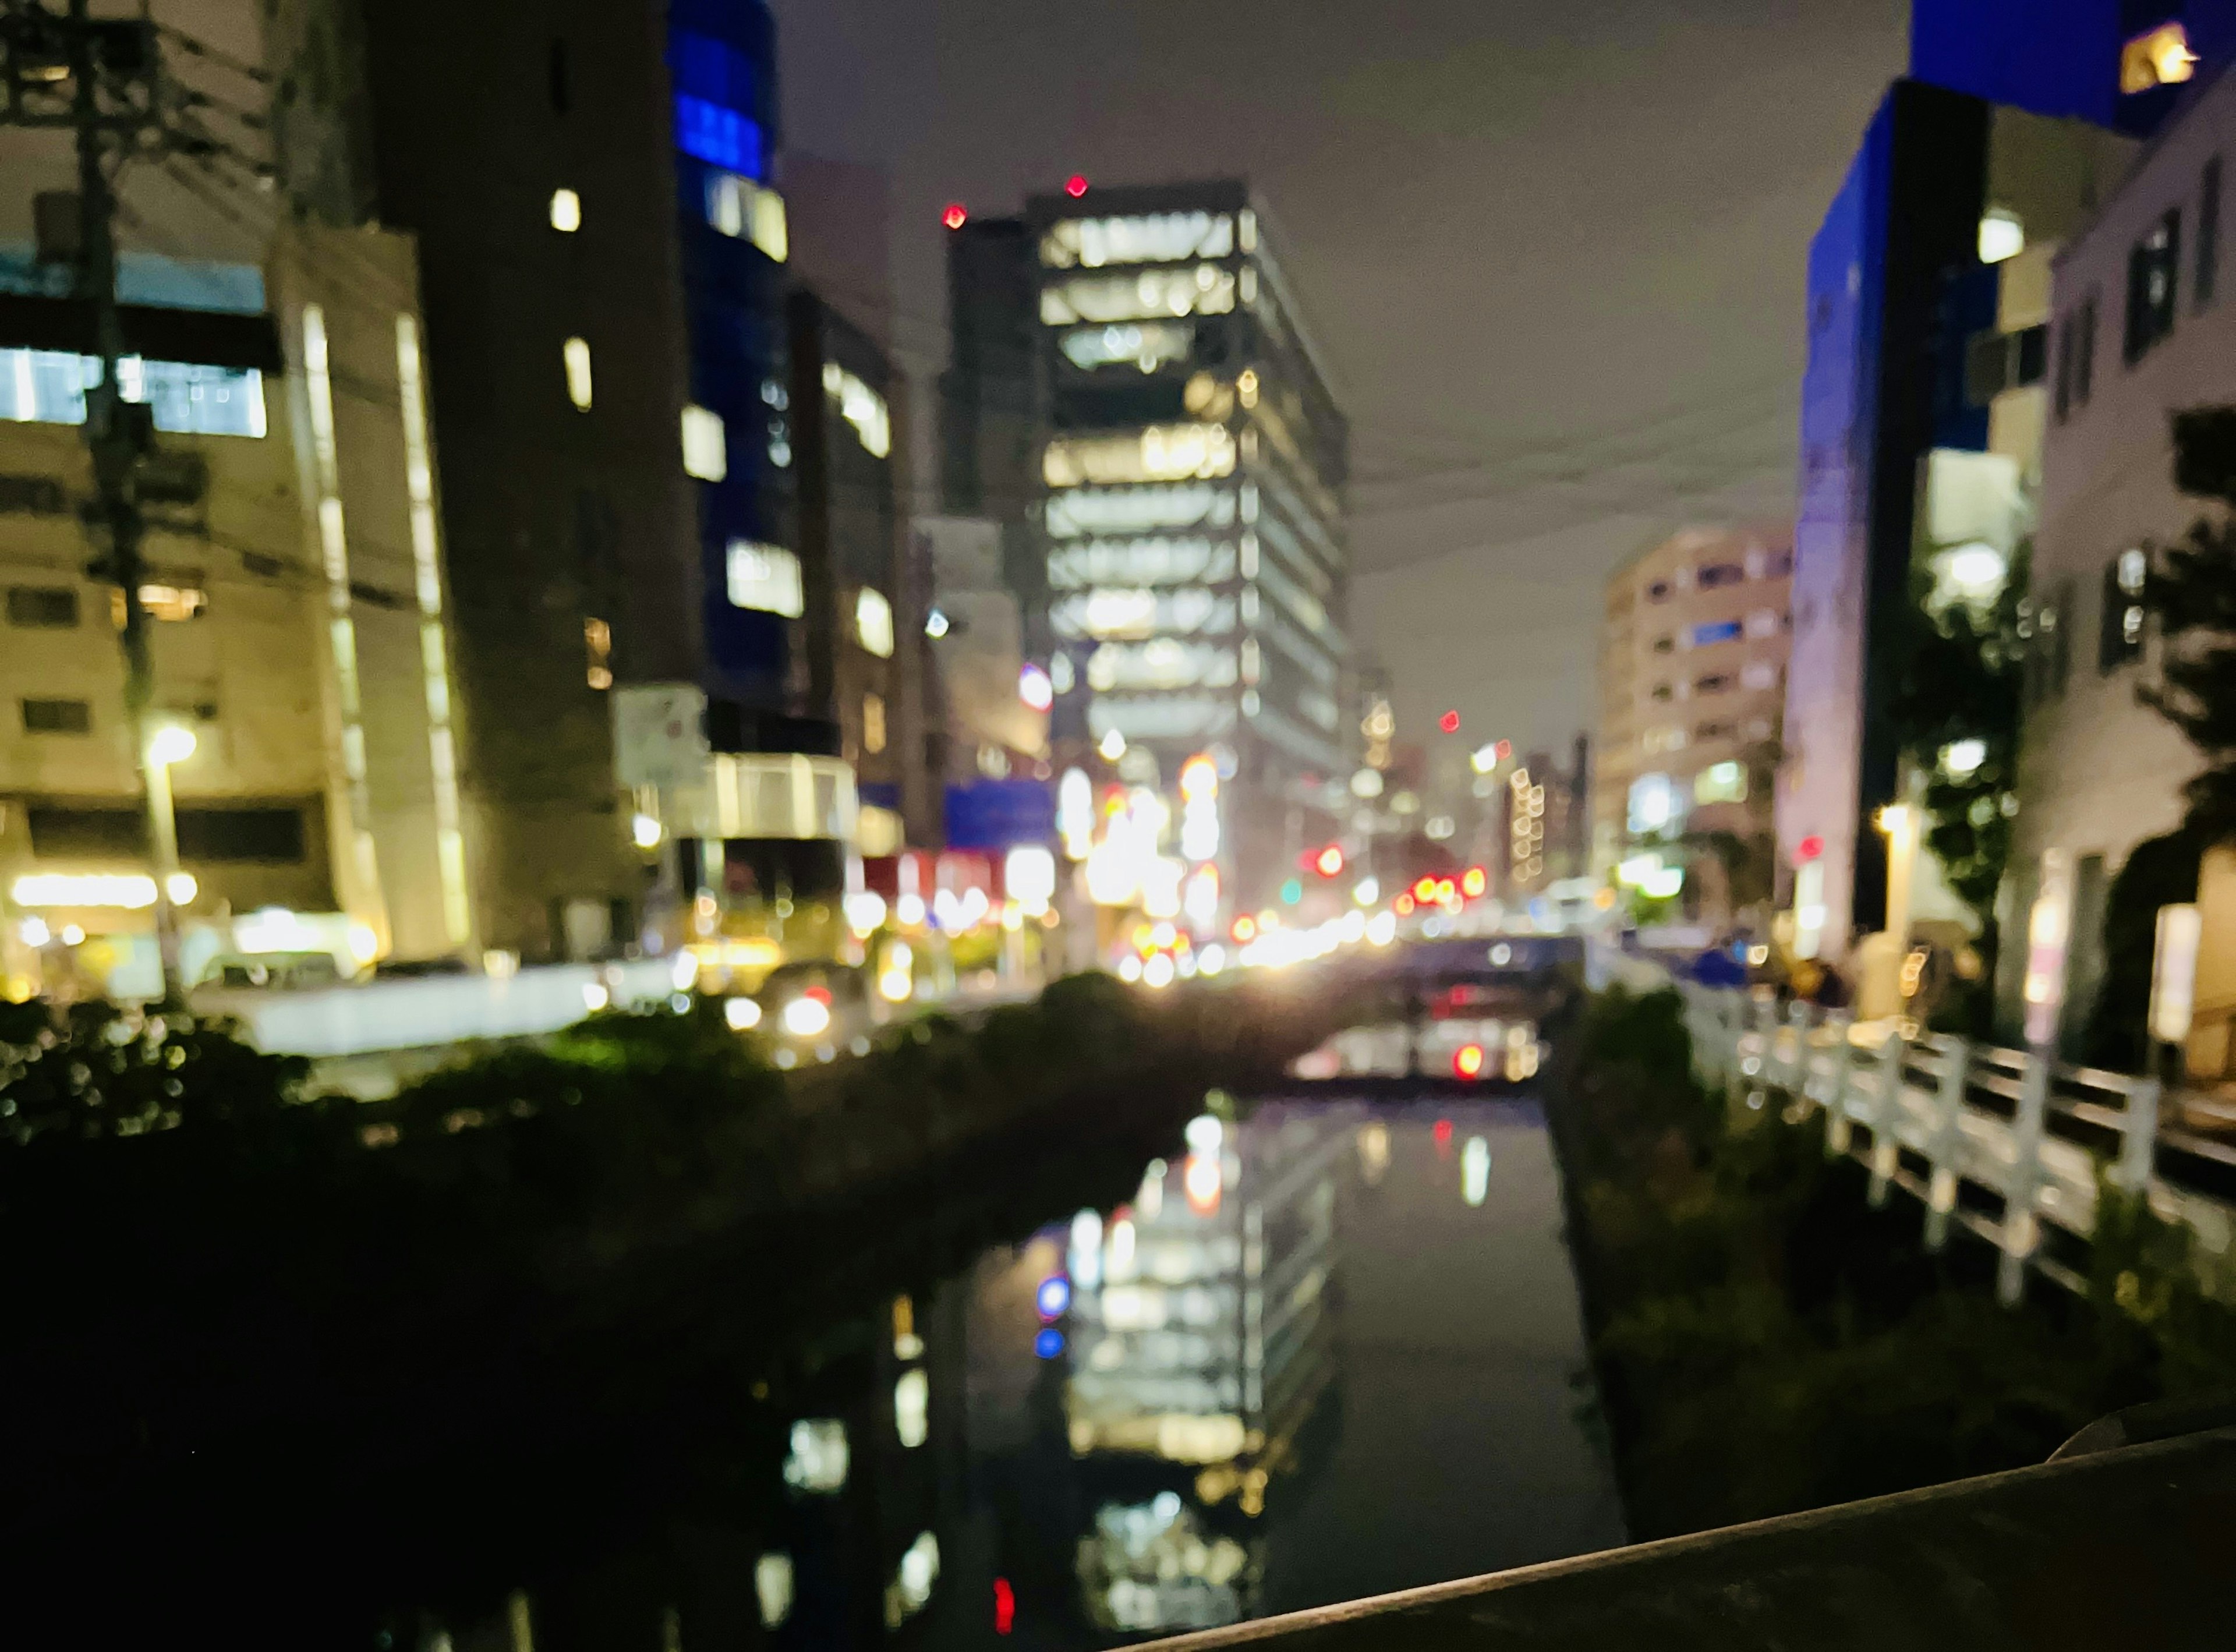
[[1963, 671]]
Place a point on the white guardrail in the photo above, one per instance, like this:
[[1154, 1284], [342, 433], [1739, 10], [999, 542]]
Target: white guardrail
[[424, 1012], [1968, 1113]]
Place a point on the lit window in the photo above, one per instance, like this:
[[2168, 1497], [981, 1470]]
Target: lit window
[[1150, 238], [2162, 57], [1087, 511], [873, 622], [1159, 453], [873, 724], [2001, 236], [772, 1587], [819, 1458], [162, 602], [1721, 783], [912, 1407], [48, 386], [749, 211], [1760, 675], [598, 644], [577, 354], [912, 1587], [764, 578], [706, 448], [1206, 289], [566, 211], [862, 407], [1146, 344], [2120, 636], [1161, 663]]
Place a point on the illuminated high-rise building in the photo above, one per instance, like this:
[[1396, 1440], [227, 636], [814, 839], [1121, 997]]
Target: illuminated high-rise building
[[1191, 476]]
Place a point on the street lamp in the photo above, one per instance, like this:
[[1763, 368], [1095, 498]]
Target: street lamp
[[166, 744]]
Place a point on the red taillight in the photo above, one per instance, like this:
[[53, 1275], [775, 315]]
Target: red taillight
[[821, 995], [1467, 1063]]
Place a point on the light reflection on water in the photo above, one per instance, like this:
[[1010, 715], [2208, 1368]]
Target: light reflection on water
[[1373, 1312], [1332, 1351]]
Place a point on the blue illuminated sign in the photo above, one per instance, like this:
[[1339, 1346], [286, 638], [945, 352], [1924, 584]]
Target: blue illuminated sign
[[1048, 1344], [1053, 1296]]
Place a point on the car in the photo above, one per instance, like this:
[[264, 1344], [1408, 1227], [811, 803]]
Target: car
[[270, 971], [818, 1008]]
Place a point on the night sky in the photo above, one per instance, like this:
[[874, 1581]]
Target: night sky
[[1553, 255]]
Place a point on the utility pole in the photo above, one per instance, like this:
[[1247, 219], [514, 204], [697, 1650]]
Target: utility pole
[[100, 78]]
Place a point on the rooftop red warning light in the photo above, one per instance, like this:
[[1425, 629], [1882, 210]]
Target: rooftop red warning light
[[1075, 186], [955, 216], [1450, 723]]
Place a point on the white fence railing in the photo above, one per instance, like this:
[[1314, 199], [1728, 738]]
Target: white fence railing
[[1931, 1115], [378, 1017]]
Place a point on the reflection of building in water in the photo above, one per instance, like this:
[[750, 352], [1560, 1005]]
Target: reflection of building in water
[[819, 1525], [1201, 1321]]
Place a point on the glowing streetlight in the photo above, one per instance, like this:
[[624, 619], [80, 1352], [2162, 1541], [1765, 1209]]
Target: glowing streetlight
[[171, 743]]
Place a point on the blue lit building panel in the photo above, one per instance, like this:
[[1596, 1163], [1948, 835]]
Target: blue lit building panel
[[722, 61], [1891, 274], [2061, 57], [719, 137]]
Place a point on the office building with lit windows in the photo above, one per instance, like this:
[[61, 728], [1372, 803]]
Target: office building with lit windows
[[296, 592], [1192, 468], [604, 244], [1693, 646]]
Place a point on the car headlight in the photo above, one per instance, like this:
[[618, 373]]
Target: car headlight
[[741, 1013], [805, 1017]]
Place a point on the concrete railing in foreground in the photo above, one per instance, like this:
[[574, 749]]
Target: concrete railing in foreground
[[1936, 1116], [2123, 1548]]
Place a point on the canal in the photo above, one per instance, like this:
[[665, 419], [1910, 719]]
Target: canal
[[1326, 1350]]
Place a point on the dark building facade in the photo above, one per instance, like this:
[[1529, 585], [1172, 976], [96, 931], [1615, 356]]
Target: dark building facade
[[593, 189]]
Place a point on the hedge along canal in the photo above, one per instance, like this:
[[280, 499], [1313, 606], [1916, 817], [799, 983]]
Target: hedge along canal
[[1764, 1341]]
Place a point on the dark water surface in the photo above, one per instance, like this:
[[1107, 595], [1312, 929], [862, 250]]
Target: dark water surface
[[1330, 1351]]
